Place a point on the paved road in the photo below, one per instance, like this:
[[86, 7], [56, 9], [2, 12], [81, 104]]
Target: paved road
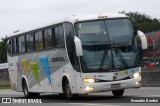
[[97, 99]]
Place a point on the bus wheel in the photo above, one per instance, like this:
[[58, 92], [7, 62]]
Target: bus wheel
[[25, 89], [118, 92], [67, 91], [28, 94]]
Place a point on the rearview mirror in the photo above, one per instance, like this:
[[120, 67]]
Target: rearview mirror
[[78, 46], [143, 39]]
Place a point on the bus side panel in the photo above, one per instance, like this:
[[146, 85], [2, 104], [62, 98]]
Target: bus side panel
[[70, 73], [57, 64], [43, 70], [12, 68], [60, 66]]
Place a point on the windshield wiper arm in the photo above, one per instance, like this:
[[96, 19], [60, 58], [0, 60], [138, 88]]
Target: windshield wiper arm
[[104, 56], [120, 55]]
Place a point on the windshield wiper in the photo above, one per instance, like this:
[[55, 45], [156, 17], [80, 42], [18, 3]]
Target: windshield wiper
[[118, 52], [104, 56]]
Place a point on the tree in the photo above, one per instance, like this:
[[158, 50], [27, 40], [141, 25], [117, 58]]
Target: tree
[[3, 51], [143, 22]]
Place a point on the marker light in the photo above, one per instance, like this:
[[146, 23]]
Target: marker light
[[89, 88], [135, 75], [89, 80], [102, 17]]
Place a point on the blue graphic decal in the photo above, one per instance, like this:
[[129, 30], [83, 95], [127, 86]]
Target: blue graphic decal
[[132, 71], [44, 62]]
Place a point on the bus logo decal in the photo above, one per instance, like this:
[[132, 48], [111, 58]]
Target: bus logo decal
[[44, 63], [57, 59], [34, 68]]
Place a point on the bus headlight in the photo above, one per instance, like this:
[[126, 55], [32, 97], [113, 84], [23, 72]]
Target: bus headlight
[[89, 80], [135, 75], [89, 88]]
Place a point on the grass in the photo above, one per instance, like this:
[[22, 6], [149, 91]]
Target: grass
[[5, 87]]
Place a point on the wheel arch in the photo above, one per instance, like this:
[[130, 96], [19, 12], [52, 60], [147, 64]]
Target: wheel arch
[[64, 78], [24, 79]]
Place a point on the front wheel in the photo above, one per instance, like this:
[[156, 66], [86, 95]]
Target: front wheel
[[118, 93], [67, 90], [28, 94]]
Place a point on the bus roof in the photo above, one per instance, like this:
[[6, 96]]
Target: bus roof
[[73, 19]]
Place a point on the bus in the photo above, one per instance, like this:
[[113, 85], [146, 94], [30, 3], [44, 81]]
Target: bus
[[82, 54]]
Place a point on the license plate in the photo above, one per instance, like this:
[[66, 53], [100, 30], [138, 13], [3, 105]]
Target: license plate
[[115, 85]]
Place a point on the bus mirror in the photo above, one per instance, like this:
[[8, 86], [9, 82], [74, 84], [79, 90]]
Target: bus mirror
[[78, 46], [143, 39]]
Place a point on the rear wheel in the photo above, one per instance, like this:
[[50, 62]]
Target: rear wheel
[[28, 94], [118, 93]]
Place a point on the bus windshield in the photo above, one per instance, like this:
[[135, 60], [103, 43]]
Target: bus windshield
[[107, 45]]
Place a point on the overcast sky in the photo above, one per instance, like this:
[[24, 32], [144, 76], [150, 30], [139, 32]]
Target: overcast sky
[[27, 14]]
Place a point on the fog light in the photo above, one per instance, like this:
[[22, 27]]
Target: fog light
[[89, 88], [137, 83]]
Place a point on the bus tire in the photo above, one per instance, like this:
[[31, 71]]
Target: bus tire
[[118, 93], [28, 94], [67, 90]]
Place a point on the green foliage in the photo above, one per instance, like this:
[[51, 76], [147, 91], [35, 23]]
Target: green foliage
[[5, 87], [3, 51], [143, 22]]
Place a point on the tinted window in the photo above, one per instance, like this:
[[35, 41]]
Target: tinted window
[[48, 38], [15, 45], [23, 44], [59, 38], [38, 40], [56, 36], [29, 42], [69, 33], [119, 30], [94, 31], [9, 45], [19, 41]]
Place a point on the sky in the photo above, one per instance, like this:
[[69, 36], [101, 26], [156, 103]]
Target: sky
[[28, 14]]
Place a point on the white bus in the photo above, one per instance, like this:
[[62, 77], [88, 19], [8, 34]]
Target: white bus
[[80, 55]]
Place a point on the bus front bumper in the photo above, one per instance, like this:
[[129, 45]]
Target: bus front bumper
[[110, 86]]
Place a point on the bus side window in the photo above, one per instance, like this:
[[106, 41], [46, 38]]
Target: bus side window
[[29, 42], [19, 41], [38, 40], [15, 45], [69, 41], [48, 40], [59, 36], [9, 45], [22, 44]]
